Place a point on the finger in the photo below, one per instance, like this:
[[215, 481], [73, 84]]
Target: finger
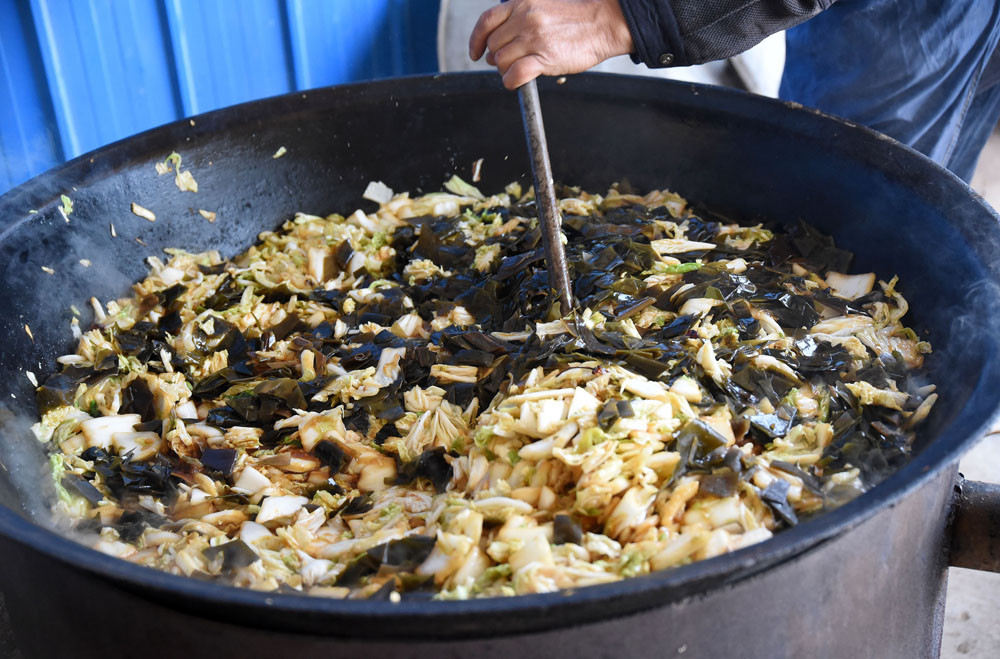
[[506, 56], [490, 20], [523, 70], [503, 35]]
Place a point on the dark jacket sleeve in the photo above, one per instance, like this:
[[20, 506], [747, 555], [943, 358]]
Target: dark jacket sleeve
[[683, 32]]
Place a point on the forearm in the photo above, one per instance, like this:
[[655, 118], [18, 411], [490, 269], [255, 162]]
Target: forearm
[[683, 32]]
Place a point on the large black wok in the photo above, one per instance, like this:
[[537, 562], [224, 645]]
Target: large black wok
[[864, 580]]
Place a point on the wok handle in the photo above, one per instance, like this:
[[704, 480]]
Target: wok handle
[[975, 526]]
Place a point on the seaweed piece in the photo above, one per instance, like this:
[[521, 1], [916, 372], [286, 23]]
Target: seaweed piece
[[612, 411], [95, 454], [385, 432], [361, 567], [460, 393], [822, 359], [789, 310], [384, 593], [720, 483], [235, 554], [700, 447], [226, 295], [357, 421], [516, 263], [284, 390], [457, 339], [144, 477], [826, 297], [675, 328], [131, 524], [734, 460], [137, 341], [255, 410], [89, 525], [632, 307], [289, 324], [314, 386], [699, 230], [331, 455], [810, 482], [482, 300], [83, 487], [331, 486], [759, 383], [224, 336], [221, 460], [138, 399], [212, 386], [489, 385], [430, 465], [588, 284], [819, 249], [169, 295], [224, 417], [271, 437], [361, 357], [386, 404], [442, 243], [473, 357], [261, 407], [405, 554], [746, 324], [125, 477], [323, 331], [775, 496], [342, 255], [60, 388], [357, 506], [566, 529], [636, 256], [775, 424], [591, 342], [216, 269], [171, 323]]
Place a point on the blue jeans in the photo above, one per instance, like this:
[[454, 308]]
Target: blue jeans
[[912, 69]]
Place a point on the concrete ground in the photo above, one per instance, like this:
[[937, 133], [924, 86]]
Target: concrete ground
[[971, 629]]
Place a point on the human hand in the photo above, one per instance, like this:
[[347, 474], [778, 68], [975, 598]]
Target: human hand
[[529, 38]]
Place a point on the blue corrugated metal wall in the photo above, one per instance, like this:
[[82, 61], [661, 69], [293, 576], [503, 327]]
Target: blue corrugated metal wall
[[77, 74]]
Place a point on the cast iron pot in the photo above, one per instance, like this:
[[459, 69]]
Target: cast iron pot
[[864, 580]]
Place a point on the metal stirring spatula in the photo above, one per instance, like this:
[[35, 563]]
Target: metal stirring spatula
[[545, 195]]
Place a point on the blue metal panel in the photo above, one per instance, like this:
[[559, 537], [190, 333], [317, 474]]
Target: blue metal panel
[[360, 39], [108, 68], [28, 142], [77, 74], [228, 52]]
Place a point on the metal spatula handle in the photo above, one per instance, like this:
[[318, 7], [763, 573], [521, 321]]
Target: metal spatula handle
[[545, 194]]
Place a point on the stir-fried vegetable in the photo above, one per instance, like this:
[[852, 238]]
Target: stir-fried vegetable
[[389, 404]]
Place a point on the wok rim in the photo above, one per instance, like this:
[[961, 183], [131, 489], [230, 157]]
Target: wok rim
[[486, 617]]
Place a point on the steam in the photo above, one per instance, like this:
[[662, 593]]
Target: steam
[[84, 261], [972, 333], [30, 156], [25, 464]]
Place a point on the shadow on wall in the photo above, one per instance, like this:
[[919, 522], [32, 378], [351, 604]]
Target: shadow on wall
[[78, 74]]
